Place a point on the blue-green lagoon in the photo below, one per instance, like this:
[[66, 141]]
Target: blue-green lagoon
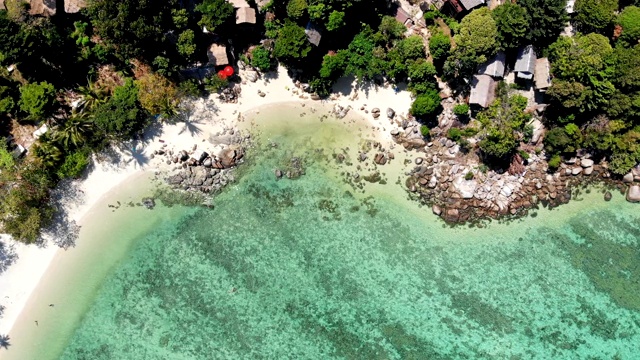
[[318, 268]]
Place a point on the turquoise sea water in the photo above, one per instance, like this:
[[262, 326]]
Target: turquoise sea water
[[316, 269]]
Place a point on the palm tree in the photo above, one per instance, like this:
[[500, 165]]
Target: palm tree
[[4, 341], [47, 152], [92, 96], [74, 130]]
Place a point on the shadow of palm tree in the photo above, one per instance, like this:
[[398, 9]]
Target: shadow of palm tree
[[136, 151], [4, 341], [191, 125]]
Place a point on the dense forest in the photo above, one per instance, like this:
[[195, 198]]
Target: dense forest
[[101, 75]]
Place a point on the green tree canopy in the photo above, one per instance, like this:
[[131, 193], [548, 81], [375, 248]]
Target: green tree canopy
[[595, 15], [513, 27], [546, 19], [261, 58], [629, 22], [291, 43], [214, 13], [581, 67], [475, 43], [427, 105], [37, 100], [439, 46], [297, 8], [501, 124], [121, 116], [133, 27]]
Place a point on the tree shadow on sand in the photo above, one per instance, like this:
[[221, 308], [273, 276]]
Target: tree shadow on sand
[[7, 257], [4, 342], [63, 231]]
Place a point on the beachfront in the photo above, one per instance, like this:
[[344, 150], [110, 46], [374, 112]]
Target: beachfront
[[210, 116]]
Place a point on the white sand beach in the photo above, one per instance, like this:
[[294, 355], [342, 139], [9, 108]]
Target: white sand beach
[[207, 117]]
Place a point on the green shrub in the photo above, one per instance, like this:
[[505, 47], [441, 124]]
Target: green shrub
[[215, 83], [37, 99], [424, 130], [296, 8], [454, 134], [524, 154], [261, 59], [469, 131], [554, 162], [74, 164], [430, 17], [483, 168], [528, 132], [190, 87], [426, 105], [461, 110], [468, 176]]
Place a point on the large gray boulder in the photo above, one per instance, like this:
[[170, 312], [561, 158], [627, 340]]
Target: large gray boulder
[[585, 163], [633, 194]]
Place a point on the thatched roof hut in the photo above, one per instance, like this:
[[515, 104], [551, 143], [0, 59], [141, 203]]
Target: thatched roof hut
[[238, 3], [217, 55], [42, 7], [246, 15], [543, 74], [74, 6]]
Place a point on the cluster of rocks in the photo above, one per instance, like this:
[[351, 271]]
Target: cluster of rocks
[[375, 112], [293, 169], [198, 170], [631, 178], [230, 94], [458, 191], [340, 111]]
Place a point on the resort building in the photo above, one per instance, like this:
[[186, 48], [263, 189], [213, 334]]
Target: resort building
[[526, 63], [246, 15], [74, 6], [42, 7], [403, 17], [313, 34], [217, 55], [483, 90], [542, 75], [495, 66]]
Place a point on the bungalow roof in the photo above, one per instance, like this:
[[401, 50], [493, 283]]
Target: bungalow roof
[[470, 4], [217, 55], [483, 89], [526, 62], [74, 6], [495, 66], [542, 75], [313, 34], [246, 15]]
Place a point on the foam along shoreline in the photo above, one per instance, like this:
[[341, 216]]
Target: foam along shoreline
[[203, 117]]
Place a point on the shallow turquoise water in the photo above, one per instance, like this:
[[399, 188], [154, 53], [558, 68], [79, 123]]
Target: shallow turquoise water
[[313, 269]]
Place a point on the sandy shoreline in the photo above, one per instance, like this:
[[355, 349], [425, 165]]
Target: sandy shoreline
[[206, 117]]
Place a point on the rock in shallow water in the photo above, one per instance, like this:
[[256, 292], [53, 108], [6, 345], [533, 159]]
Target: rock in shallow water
[[149, 203], [633, 194]]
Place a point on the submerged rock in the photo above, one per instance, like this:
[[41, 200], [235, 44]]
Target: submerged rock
[[149, 203]]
